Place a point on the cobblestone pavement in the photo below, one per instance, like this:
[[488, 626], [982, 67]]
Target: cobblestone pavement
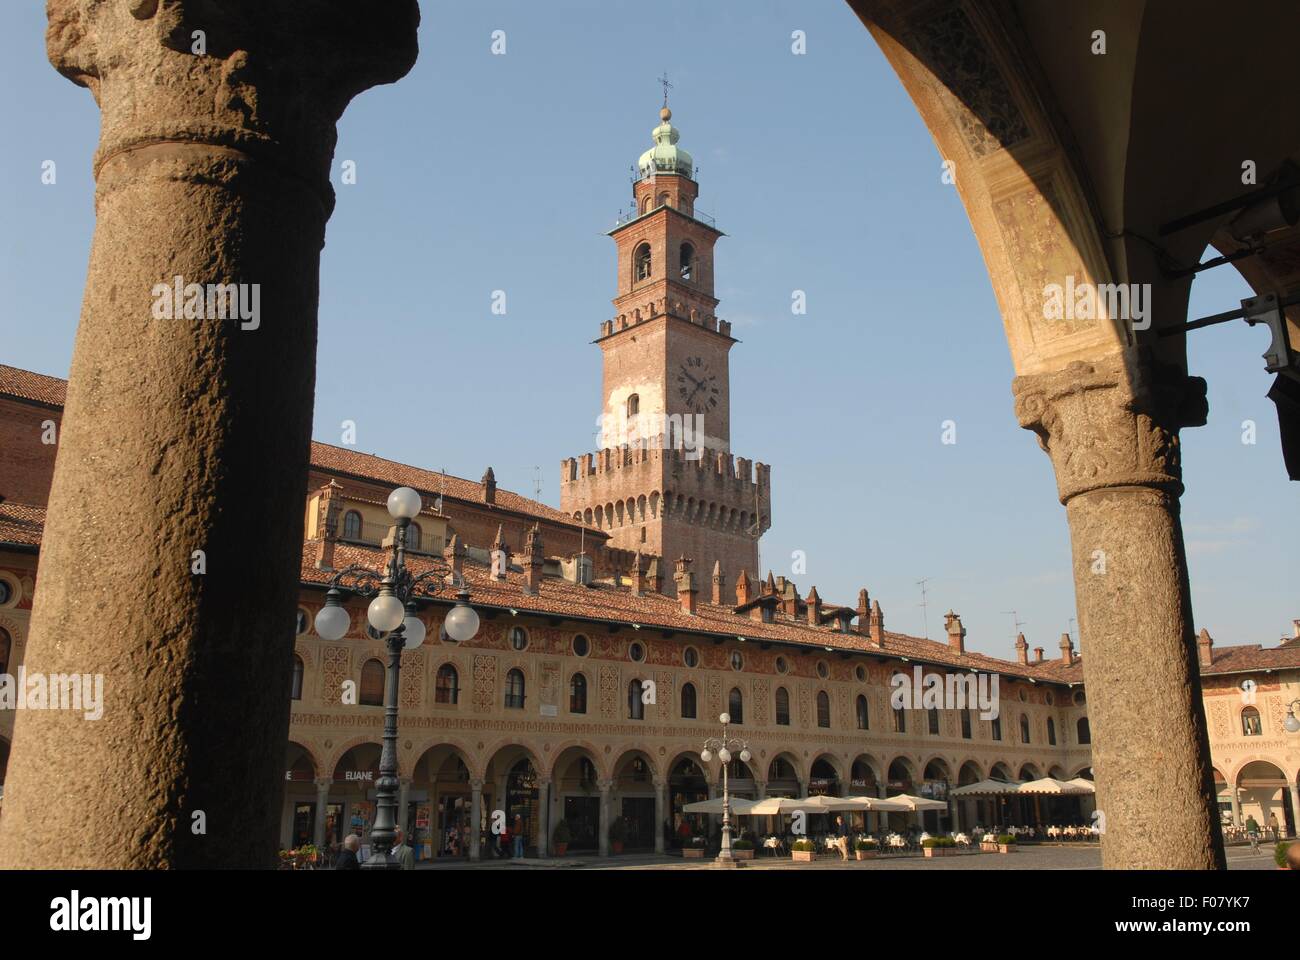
[[1027, 858]]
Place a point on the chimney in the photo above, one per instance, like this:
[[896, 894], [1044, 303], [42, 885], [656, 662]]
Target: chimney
[[686, 589], [877, 624], [956, 632], [654, 576], [743, 595], [1022, 649], [489, 487], [1038, 655], [814, 608], [718, 585], [638, 575], [864, 611], [1295, 629], [500, 555], [454, 554], [534, 560], [330, 507], [1067, 650], [769, 585], [789, 598], [1205, 648]]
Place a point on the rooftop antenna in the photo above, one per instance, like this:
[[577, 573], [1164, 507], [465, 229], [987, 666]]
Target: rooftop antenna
[[537, 483], [1016, 623], [925, 613], [1070, 627]]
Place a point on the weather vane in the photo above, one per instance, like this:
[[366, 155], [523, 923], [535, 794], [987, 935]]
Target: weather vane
[[667, 86]]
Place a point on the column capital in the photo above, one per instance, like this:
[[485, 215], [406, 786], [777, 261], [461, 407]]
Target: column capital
[[242, 77], [605, 785], [1108, 423], [323, 783], [476, 785]]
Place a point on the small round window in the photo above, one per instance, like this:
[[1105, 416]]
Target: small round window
[[1079, 698], [737, 660], [636, 652], [861, 673], [7, 593], [581, 646], [691, 657], [781, 665], [518, 638], [823, 670]]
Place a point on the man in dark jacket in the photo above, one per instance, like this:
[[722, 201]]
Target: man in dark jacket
[[348, 855]]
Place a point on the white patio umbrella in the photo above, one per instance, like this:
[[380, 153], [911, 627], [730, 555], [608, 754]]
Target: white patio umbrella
[[1087, 785], [987, 788], [739, 807], [880, 805], [1050, 786], [912, 803]]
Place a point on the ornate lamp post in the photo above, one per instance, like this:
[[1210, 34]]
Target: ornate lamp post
[[724, 745], [393, 612], [1291, 723]]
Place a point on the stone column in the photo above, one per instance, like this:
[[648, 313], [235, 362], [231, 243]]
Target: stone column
[[1295, 807], [475, 818], [322, 810], [1112, 435], [661, 805], [403, 798], [1236, 806], [172, 547], [603, 839], [544, 818]]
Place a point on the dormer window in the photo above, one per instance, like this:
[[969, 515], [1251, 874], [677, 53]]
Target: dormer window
[[641, 259], [351, 525]]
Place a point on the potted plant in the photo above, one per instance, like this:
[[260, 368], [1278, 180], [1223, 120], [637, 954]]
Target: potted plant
[[1006, 843], [1279, 855], [693, 848], [866, 848], [988, 843], [938, 846], [561, 837], [803, 851], [742, 850], [617, 834]]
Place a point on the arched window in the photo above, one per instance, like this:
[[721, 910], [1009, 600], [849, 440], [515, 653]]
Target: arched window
[[295, 685], [515, 689], [641, 260], [1250, 723], [782, 707], [518, 638], [965, 724], [995, 727], [635, 704], [688, 701], [633, 406], [823, 709], [932, 718], [446, 685], [372, 684], [578, 693], [736, 705], [414, 539], [864, 717], [1024, 729], [351, 525], [661, 200], [1051, 731], [900, 720], [5, 646], [687, 257], [1085, 734]]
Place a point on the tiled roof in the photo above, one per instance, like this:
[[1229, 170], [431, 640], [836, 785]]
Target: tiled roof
[[21, 523], [339, 460], [1252, 656], [26, 385], [606, 603]]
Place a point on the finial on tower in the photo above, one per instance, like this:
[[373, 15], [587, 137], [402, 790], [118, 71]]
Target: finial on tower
[[667, 86]]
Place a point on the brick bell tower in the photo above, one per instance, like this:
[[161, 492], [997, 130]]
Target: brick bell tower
[[665, 481]]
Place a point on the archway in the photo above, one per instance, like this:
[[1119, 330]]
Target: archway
[[576, 783], [1264, 793], [298, 826], [352, 793], [783, 776], [440, 807], [513, 801], [687, 783], [634, 800], [934, 785], [973, 811]]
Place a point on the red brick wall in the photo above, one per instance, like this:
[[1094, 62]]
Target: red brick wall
[[27, 464]]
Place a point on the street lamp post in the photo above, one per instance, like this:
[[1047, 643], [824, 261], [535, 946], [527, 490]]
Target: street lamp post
[[393, 612], [723, 745]]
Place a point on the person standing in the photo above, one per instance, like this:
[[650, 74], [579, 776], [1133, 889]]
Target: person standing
[[347, 859], [1273, 827], [402, 851], [518, 851]]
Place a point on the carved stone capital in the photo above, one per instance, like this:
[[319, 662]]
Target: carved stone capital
[[245, 77], [1104, 425]]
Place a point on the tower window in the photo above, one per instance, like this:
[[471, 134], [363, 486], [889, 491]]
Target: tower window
[[642, 260], [352, 525], [687, 261], [633, 406]]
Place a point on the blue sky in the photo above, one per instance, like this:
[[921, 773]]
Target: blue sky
[[479, 173]]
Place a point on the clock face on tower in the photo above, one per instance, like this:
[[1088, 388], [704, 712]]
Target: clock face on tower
[[697, 386]]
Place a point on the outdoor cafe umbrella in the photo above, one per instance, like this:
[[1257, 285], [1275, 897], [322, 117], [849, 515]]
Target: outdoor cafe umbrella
[[1087, 785], [914, 804], [739, 807], [986, 788], [774, 806], [1052, 787]]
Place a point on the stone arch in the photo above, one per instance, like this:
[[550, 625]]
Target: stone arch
[[432, 756], [640, 508], [295, 751], [508, 751], [654, 503], [871, 765], [331, 761], [618, 513], [1001, 770], [567, 751], [901, 769], [942, 761], [623, 755], [969, 772], [1029, 771]]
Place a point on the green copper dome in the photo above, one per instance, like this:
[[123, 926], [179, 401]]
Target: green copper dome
[[665, 156]]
